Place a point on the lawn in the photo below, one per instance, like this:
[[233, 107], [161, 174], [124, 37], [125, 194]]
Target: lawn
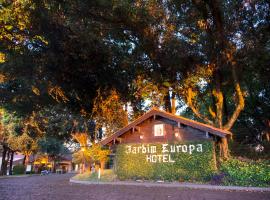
[[106, 176]]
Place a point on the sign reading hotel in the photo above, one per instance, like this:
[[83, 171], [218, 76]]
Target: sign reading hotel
[[151, 154]]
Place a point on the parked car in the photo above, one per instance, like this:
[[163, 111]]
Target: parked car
[[45, 172]]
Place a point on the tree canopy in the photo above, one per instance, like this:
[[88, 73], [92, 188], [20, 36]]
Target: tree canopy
[[207, 59]]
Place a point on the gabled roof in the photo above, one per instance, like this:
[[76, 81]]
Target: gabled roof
[[176, 118]]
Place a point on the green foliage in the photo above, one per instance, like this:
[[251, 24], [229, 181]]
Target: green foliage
[[98, 154], [81, 157], [246, 174], [248, 151], [106, 176], [95, 153], [108, 112], [18, 169], [197, 166], [9, 123], [52, 146]]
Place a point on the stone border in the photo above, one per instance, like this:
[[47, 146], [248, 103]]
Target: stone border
[[174, 185]]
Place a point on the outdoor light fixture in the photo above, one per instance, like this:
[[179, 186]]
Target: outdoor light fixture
[[141, 137], [176, 134]]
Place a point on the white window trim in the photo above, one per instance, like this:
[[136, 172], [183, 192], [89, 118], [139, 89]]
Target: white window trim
[[160, 128]]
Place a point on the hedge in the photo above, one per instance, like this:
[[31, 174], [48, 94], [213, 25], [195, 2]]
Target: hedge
[[246, 173], [18, 169], [197, 166]]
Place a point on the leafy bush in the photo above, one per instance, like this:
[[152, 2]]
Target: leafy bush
[[246, 173], [198, 166], [18, 169], [106, 176], [247, 151]]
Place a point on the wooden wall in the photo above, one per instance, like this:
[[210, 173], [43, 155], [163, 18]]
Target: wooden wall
[[144, 133]]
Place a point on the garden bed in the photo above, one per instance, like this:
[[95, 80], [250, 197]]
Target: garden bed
[[232, 173], [106, 176]]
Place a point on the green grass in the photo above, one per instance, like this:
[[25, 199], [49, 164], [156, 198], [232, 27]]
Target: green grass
[[107, 176]]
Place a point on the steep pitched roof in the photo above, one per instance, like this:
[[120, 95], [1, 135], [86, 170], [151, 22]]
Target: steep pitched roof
[[176, 118]]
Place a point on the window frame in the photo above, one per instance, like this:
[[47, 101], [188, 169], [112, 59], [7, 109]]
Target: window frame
[[156, 129]]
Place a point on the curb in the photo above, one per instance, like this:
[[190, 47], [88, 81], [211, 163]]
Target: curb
[[14, 176], [175, 185]]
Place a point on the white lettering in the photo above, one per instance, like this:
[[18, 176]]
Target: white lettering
[[164, 148], [154, 158], [134, 150], [170, 160], [191, 148], [139, 149], [165, 158], [153, 149], [148, 149], [184, 148], [172, 148], [178, 147], [199, 147], [166, 151], [143, 149], [128, 149], [148, 158]]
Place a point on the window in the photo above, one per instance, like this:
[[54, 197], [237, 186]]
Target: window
[[158, 130]]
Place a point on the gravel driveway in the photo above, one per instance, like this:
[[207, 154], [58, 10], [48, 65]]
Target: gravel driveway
[[57, 187]]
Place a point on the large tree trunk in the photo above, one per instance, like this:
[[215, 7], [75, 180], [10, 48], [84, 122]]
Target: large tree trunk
[[4, 153], [11, 163], [102, 165], [167, 102], [224, 149], [218, 96], [26, 160], [173, 106]]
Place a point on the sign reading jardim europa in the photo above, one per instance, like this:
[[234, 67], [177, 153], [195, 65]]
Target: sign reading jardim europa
[[151, 154], [181, 161]]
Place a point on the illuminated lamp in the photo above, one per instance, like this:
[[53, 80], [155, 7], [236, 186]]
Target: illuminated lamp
[[176, 134], [36, 163], [141, 137], [43, 161]]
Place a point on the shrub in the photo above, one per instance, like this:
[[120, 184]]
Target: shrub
[[18, 169], [197, 166], [106, 176], [247, 151], [246, 173]]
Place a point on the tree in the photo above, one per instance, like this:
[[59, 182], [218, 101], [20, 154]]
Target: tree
[[53, 148], [99, 155], [82, 156], [179, 38], [194, 51], [109, 112], [8, 125], [25, 144], [226, 51]]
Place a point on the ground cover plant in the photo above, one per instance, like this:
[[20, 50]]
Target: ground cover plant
[[106, 176], [245, 173]]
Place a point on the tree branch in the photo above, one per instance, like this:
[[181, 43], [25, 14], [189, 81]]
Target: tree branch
[[241, 100], [190, 96]]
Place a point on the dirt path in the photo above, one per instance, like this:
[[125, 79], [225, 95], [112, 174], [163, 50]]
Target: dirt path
[[57, 187]]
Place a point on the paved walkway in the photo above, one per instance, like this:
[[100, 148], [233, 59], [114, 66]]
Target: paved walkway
[[58, 187]]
